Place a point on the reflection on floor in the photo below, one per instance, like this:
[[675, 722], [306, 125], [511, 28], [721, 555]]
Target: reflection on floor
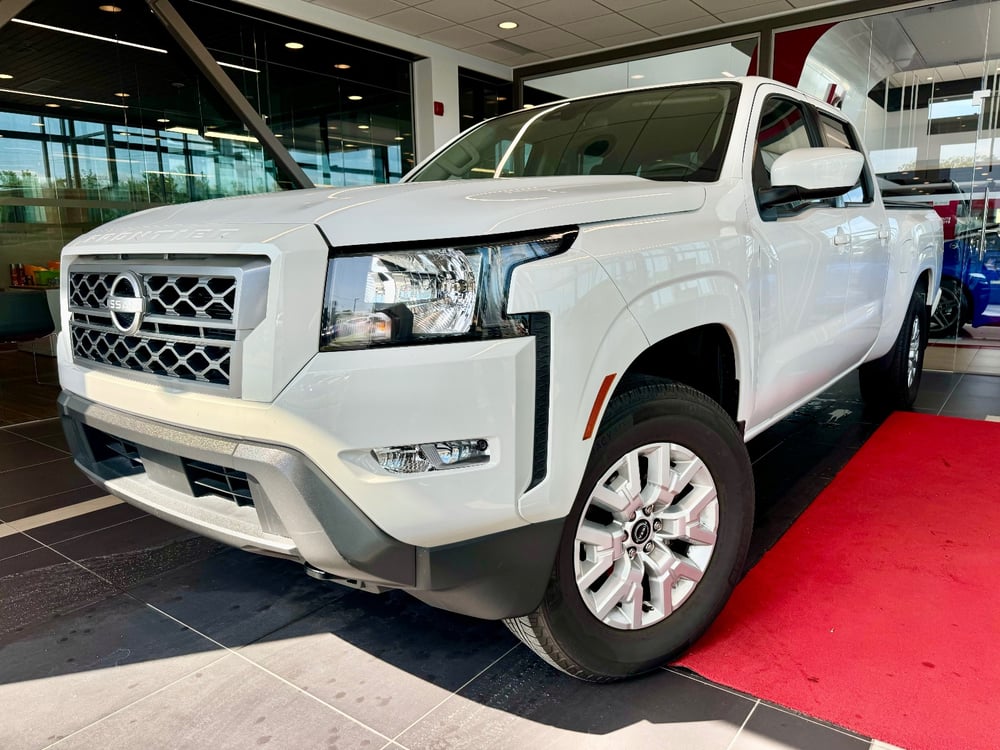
[[28, 386], [120, 630]]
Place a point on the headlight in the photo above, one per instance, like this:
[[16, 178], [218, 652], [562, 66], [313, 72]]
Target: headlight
[[387, 297]]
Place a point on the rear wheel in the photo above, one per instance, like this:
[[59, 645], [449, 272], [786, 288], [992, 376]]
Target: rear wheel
[[655, 542], [893, 380]]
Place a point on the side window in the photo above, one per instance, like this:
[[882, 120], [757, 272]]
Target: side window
[[837, 134], [784, 126]]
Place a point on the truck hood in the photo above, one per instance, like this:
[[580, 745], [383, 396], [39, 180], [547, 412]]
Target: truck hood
[[416, 211]]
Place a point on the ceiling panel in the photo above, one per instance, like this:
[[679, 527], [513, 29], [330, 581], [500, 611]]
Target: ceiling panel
[[755, 11], [602, 27], [558, 12], [412, 21], [461, 11], [362, 8]]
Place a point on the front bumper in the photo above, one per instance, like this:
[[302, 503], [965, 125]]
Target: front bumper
[[274, 500]]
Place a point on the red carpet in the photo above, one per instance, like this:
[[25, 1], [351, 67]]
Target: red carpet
[[879, 610]]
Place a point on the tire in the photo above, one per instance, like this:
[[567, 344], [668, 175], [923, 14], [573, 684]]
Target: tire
[[952, 311], [690, 542], [892, 381]]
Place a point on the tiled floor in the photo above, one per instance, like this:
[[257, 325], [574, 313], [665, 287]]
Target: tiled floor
[[118, 630]]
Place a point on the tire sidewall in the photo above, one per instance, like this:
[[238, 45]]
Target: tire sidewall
[[712, 437]]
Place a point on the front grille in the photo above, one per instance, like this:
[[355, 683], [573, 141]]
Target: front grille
[[155, 355], [210, 298], [211, 479], [197, 311]]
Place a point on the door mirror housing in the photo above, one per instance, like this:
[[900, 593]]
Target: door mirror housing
[[811, 173]]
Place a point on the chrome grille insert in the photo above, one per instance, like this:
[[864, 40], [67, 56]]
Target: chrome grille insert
[[196, 313], [158, 356]]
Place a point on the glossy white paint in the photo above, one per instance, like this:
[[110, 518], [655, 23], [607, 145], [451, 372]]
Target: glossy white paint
[[804, 299], [817, 168]]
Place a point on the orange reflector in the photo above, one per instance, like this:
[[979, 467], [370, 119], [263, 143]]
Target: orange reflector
[[598, 403]]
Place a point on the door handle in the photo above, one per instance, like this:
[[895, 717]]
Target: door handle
[[883, 233], [841, 237]]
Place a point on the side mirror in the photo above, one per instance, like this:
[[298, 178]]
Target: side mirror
[[809, 173]]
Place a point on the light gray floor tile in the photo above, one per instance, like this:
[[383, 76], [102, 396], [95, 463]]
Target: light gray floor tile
[[60, 676], [386, 660], [228, 704], [524, 703], [770, 728]]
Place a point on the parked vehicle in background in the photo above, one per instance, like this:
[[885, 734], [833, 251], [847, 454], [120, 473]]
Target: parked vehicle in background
[[517, 385], [970, 280]]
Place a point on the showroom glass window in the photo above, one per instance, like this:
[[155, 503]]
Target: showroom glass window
[[102, 114]]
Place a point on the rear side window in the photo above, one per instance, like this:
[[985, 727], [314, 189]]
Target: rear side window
[[837, 134]]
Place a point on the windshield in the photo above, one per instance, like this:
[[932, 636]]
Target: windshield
[[675, 133]]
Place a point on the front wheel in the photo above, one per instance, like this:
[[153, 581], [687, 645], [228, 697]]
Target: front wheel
[[893, 380], [656, 539]]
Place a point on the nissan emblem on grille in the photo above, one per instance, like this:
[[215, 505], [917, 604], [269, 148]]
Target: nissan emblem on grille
[[126, 302]]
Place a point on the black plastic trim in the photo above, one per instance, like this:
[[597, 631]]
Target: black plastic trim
[[540, 326]]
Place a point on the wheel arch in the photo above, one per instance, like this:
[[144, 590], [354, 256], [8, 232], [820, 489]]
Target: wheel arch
[[707, 362]]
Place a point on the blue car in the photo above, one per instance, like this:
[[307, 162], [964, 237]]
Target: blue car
[[970, 283]]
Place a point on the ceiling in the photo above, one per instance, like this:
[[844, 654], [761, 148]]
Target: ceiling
[[550, 29]]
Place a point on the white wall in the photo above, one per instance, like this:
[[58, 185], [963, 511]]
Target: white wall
[[687, 65]]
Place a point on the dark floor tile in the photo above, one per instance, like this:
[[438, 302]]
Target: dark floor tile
[[7, 435], [51, 502], [971, 407], [236, 597], [39, 585], [930, 400], [41, 481], [88, 523], [72, 670], [383, 659], [56, 440], [773, 729], [522, 702], [935, 382], [14, 544], [979, 386], [41, 428], [132, 552], [25, 453], [248, 708]]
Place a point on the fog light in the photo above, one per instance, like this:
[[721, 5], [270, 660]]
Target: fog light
[[449, 454]]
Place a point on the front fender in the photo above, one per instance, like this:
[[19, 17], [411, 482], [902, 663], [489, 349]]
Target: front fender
[[593, 335]]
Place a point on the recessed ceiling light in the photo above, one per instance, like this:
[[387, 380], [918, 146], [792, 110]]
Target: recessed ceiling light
[[399, 138], [930, 78], [362, 127], [122, 94], [501, 98], [294, 45], [109, 8], [124, 134], [355, 98], [53, 105], [163, 119], [342, 66], [637, 76], [279, 135], [507, 25], [8, 76]]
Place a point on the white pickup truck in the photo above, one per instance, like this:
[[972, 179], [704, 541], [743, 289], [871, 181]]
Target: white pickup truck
[[518, 384]]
